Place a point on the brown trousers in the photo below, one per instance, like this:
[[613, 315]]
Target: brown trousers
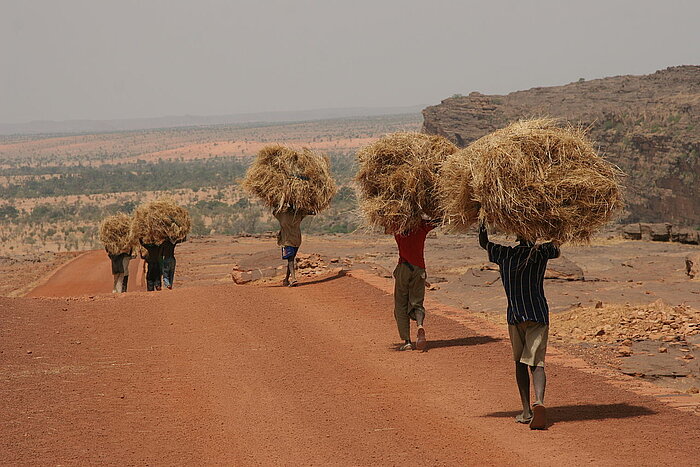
[[409, 292]]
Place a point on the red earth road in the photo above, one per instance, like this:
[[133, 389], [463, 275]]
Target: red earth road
[[88, 274], [244, 375]]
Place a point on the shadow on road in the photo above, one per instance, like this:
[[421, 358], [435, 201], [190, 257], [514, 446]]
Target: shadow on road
[[459, 342], [462, 342], [338, 275], [574, 413]]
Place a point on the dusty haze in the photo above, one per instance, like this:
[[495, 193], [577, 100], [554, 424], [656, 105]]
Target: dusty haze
[[128, 59]]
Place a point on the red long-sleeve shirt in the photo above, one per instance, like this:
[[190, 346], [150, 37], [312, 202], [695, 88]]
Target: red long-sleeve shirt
[[412, 245]]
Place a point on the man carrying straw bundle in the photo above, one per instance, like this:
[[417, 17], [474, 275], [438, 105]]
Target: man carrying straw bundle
[[397, 177], [409, 284], [155, 224], [169, 262], [114, 235], [120, 270], [522, 272], [289, 238], [294, 184], [153, 260], [537, 180]]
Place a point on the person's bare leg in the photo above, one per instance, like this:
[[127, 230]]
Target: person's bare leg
[[291, 267], [539, 383], [285, 282], [523, 379], [539, 413]]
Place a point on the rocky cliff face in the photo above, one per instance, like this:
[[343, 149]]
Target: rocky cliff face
[[648, 125]]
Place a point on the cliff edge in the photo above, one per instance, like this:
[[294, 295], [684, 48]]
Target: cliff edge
[[648, 125]]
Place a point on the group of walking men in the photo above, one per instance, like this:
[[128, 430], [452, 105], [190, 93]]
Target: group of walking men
[[522, 268], [158, 258]]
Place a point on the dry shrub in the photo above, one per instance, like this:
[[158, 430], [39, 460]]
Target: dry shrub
[[397, 177], [114, 233], [160, 220], [282, 176], [533, 179]]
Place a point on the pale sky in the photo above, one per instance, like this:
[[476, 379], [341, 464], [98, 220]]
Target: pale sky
[[104, 59]]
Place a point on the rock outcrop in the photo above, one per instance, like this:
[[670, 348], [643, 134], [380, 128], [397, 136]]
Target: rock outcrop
[[648, 125]]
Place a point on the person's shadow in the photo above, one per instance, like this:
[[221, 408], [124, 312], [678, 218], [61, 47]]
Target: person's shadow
[[573, 413], [457, 342]]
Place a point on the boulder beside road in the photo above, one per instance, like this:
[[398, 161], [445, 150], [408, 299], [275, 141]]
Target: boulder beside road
[[660, 232]]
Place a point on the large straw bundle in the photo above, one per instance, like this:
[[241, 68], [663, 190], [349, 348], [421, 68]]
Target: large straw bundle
[[397, 178], [160, 220], [282, 176], [532, 179], [114, 234]]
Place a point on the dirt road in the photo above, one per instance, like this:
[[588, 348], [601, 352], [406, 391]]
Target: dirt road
[[88, 274], [243, 375]]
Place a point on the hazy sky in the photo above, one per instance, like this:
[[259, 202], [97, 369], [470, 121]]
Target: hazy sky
[[98, 59]]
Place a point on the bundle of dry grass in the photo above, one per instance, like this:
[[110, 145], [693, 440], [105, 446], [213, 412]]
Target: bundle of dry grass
[[160, 220], [397, 177], [533, 179], [114, 234], [282, 176]]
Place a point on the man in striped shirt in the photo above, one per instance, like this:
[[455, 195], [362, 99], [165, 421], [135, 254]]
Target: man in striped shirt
[[522, 273]]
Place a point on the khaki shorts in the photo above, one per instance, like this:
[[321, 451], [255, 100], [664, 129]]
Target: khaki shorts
[[529, 341]]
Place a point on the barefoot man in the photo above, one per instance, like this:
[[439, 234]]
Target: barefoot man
[[522, 273], [289, 238], [409, 284]]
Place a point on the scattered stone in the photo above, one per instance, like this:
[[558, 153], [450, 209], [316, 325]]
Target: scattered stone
[[692, 265], [625, 323], [599, 304], [663, 349], [693, 390], [564, 269]]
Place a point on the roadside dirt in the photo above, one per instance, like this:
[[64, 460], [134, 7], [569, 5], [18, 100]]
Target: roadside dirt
[[22, 273], [214, 373], [88, 274]]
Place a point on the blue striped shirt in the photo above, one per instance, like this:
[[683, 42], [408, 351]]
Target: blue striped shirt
[[522, 273]]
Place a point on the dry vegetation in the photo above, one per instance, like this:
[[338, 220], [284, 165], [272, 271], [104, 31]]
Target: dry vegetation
[[158, 221], [533, 179], [397, 177], [115, 233], [281, 176], [56, 190]]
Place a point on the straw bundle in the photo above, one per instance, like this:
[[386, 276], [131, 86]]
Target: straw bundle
[[160, 220], [114, 233], [397, 177], [532, 179], [282, 176]]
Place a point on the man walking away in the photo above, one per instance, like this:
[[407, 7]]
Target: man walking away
[[289, 238], [153, 259], [522, 273], [409, 284], [126, 260], [169, 263], [120, 265]]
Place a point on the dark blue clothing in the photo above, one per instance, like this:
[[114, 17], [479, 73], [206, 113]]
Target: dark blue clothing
[[169, 270], [522, 272], [289, 252]]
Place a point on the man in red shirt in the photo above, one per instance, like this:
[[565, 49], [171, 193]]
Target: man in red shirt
[[409, 285]]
